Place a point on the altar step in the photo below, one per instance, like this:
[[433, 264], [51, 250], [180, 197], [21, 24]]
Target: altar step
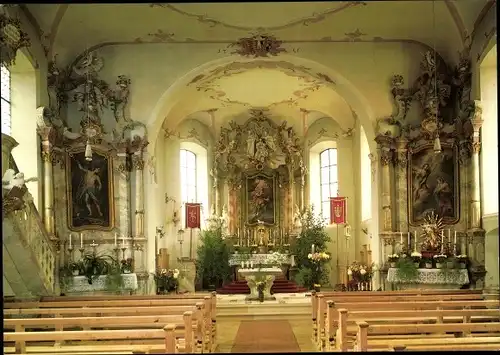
[[268, 310], [279, 286]]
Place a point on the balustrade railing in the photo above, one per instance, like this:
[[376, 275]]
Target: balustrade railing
[[33, 233]]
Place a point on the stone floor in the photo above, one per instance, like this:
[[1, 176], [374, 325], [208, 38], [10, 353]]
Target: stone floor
[[227, 327]]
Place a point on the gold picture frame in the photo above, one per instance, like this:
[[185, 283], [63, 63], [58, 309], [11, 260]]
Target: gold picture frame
[[433, 184], [261, 203], [90, 190]]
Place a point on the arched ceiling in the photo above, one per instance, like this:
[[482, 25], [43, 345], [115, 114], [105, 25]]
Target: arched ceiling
[[68, 30]]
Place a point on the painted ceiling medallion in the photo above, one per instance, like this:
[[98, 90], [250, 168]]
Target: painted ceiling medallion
[[258, 46]]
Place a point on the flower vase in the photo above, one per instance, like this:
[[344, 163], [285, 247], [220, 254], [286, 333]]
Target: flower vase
[[439, 265], [261, 296], [428, 265], [450, 265], [393, 264]]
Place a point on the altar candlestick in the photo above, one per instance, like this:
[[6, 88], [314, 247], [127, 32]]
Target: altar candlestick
[[401, 238], [455, 242], [312, 249], [81, 240], [409, 240], [123, 242], [71, 245]]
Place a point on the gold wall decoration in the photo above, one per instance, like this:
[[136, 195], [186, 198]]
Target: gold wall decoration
[[433, 183], [258, 46], [90, 190]]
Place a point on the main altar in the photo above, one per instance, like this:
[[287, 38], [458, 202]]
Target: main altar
[[258, 180]]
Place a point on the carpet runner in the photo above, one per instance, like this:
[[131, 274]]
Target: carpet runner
[[279, 286], [262, 336]]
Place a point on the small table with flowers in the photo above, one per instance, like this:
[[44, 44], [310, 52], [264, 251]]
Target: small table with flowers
[[430, 279]]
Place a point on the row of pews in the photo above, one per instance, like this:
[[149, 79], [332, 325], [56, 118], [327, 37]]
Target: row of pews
[[429, 320], [110, 325]]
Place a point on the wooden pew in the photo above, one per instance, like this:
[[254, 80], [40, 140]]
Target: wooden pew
[[168, 335], [321, 340], [372, 295], [363, 343], [126, 302], [338, 331], [202, 331], [320, 305]]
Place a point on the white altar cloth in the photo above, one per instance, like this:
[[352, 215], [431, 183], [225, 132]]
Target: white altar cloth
[[432, 277], [81, 284], [257, 259]]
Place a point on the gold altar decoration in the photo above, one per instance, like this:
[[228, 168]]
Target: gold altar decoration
[[432, 229]]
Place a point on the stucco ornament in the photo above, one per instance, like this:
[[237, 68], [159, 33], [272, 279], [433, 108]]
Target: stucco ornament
[[11, 180], [12, 38], [258, 46]]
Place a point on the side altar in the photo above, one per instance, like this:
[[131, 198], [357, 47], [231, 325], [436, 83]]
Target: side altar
[[259, 181]]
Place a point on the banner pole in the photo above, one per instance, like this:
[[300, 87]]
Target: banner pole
[[338, 265]]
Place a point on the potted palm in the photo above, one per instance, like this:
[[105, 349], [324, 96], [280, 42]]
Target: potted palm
[[212, 262]]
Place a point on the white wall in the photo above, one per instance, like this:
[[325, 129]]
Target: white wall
[[366, 187]]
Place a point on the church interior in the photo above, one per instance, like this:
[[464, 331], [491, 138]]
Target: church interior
[[250, 177]]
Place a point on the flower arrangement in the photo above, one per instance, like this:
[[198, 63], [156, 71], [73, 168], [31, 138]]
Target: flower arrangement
[[462, 258], [416, 257], [360, 272], [318, 257], [440, 258], [261, 285], [393, 258], [167, 280], [126, 265]]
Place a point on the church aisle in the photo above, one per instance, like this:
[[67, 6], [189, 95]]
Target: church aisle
[[256, 336]]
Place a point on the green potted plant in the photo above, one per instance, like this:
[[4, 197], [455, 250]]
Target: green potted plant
[[417, 258], [95, 264], [462, 261], [427, 262], [393, 259], [440, 259], [406, 269], [212, 262]]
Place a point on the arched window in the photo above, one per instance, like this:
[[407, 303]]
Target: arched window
[[5, 104], [188, 176], [328, 179]]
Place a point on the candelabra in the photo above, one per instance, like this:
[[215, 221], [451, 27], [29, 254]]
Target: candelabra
[[82, 250]]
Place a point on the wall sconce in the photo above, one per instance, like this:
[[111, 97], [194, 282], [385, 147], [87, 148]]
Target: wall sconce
[[347, 230], [175, 219], [180, 236]]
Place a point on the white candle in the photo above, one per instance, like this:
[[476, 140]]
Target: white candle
[[401, 238], [242, 264], [312, 249], [123, 242], [409, 241], [70, 240], [81, 240], [442, 240], [455, 238], [116, 239], [449, 235], [248, 264], [251, 264], [293, 261]]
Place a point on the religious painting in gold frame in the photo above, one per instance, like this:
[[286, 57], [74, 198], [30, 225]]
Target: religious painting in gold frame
[[260, 196], [433, 183], [90, 190]]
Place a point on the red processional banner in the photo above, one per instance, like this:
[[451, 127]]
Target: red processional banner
[[338, 210], [193, 211]]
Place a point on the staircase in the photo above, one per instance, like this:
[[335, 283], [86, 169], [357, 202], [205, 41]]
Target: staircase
[[29, 258], [279, 286]]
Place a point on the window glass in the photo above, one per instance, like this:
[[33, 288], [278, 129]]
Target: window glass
[[5, 103], [188, 175], [328, 179]]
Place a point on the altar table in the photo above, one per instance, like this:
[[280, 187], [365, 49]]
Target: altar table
[[252, 276], [256, 259], [431, 279], [81, 284]]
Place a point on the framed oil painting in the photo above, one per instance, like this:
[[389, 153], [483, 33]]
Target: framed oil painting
[[261, 199], [433, 184], [90, 191]]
